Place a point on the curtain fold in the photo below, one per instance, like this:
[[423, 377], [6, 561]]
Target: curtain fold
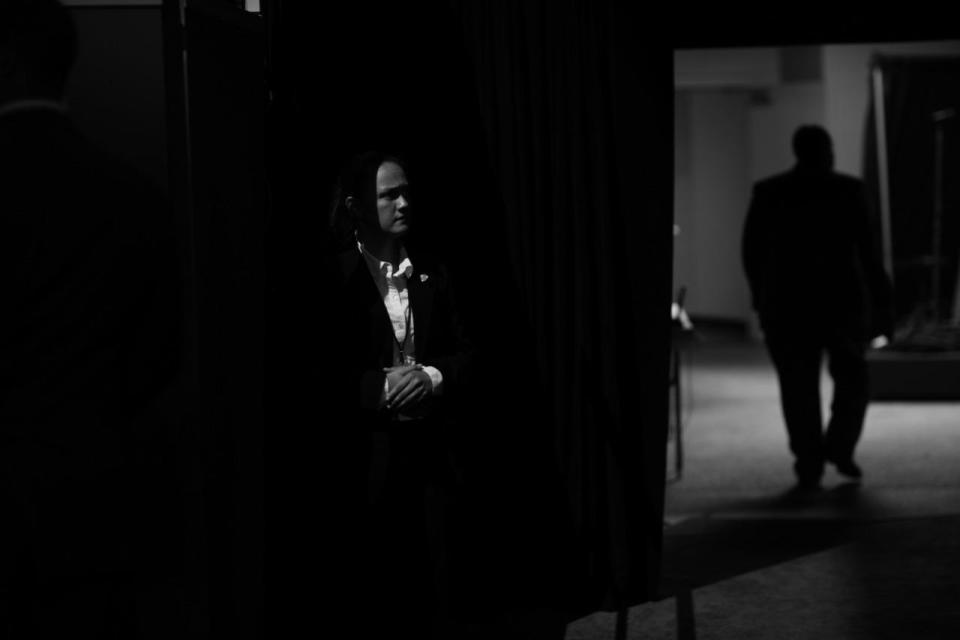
[[556, 96]]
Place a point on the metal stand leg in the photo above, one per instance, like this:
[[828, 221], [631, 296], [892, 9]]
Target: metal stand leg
[[677, 409], [620, 632]]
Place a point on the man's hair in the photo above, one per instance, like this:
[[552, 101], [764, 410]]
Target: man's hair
[[810, 143], [38, 41]]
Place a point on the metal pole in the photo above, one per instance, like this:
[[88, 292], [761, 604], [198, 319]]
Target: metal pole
[[180, 168], [939, 117], [880, 122], [620, 631], [935, 233], [678, 409], [956, 299]]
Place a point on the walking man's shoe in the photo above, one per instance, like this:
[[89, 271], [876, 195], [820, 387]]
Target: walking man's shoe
[[847, 467]]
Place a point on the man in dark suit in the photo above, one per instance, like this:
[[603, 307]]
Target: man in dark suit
[[88, 341], [403, 360], [818, 287]]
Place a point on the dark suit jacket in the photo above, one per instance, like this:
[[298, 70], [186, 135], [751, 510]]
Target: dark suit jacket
[[363, 465], [810, 259], [503, 514], [362, 345], [89, 329], [366, 335]]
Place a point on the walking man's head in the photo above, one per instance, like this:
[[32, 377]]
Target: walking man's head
[[813, 148], [38, 46]]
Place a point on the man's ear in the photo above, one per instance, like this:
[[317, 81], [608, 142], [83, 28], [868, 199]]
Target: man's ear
[[353, 208]]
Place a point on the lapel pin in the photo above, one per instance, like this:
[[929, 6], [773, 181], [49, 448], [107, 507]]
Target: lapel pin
[[424, 277]]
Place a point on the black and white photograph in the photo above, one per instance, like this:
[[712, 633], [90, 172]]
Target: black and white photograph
[[566, 320]]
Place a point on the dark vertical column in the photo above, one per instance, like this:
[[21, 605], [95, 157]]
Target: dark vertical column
[[225, 96], [191, 436]]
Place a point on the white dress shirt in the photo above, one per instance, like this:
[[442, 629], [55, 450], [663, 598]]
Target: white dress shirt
[[391, 282]]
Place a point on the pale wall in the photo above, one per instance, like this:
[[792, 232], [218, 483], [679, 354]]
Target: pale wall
[[734, 122], [726, 140], [710, 188]]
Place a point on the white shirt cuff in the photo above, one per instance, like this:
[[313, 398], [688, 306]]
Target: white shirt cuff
[[436, 378]]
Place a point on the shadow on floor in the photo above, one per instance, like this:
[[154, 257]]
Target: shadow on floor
[[740, 536]]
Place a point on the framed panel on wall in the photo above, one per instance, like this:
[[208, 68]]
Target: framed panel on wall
[[248, 5], [112, 3]]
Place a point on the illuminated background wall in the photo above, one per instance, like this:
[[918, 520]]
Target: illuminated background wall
[[735, 110]]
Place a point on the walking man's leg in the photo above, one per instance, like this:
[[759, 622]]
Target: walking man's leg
[[798, 370], [851, 391]]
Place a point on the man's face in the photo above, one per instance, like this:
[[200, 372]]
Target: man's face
[[392, 207]]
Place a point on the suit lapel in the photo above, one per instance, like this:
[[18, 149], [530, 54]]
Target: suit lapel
[[421, 302], [365, 297]]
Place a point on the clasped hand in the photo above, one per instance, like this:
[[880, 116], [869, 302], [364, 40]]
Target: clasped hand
[[409, 386]]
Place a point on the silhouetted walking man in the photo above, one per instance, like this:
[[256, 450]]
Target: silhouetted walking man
[[818, 286], [88, 340]]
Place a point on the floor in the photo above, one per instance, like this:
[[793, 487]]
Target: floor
[[744, 557]]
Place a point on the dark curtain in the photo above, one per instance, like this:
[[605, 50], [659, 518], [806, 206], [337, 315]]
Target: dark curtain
[[914, 89], [575, 122], [539, 143], [216, 118]]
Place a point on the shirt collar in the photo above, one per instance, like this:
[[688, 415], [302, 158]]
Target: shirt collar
[[405, 268], [31, 105]]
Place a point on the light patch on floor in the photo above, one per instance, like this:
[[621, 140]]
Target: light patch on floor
[[735, 443], [897, 580]]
